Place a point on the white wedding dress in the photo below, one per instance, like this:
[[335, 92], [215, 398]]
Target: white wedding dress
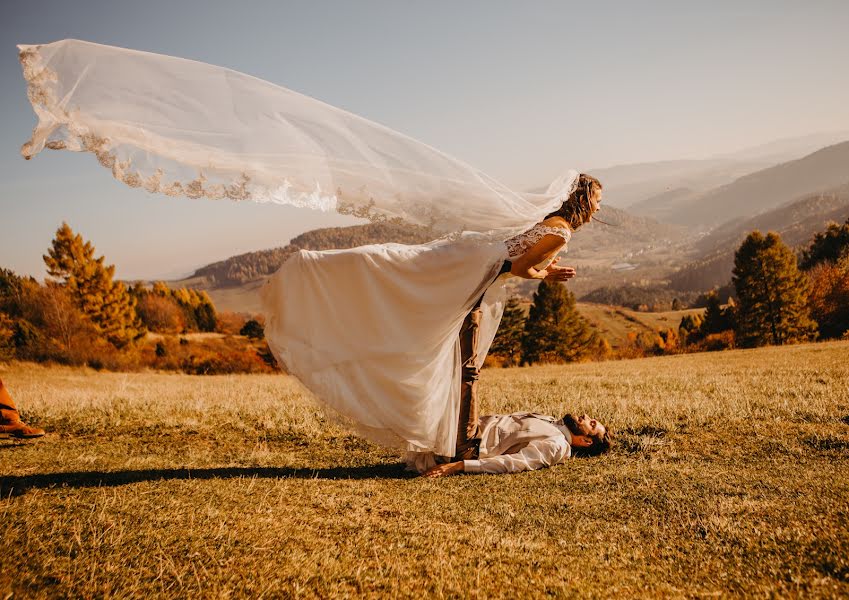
[[371, 332]]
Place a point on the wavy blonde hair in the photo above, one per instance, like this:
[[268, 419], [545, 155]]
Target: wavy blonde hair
[[576, 209]]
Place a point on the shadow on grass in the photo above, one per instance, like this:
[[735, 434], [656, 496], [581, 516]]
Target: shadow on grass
[[16, 485]]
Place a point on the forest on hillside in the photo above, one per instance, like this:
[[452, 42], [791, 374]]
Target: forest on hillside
[[240, 269]]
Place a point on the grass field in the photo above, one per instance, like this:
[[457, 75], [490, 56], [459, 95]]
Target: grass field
[[731, 478]]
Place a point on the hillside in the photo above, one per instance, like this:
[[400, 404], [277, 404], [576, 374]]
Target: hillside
[[651, 247], [766, 189], [244, 268], [628, 185], [631, 250], [660, 206], [614, 323], [631, 184], [797, 223]]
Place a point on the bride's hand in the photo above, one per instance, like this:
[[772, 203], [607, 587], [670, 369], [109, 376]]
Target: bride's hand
[[555, 273]]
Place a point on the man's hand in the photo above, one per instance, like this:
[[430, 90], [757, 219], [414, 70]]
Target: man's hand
[[446, 469], [555, 273]]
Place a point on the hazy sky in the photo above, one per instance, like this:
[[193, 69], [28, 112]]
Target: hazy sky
[[523, 90]]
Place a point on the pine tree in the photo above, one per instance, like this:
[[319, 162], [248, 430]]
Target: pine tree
[[716, 318], [89, 282], [827, 246], [773, 293], [554, 331], [690, 328], [508, 340]]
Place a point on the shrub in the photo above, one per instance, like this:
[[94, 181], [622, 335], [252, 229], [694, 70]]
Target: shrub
[[253, 330]]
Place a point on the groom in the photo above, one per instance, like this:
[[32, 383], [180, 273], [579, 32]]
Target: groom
[[526, 441]]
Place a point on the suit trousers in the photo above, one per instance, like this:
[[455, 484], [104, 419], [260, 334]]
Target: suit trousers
[[468, 425]]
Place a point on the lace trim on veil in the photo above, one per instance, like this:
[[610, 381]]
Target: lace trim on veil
[[63, 133], [140, 157]]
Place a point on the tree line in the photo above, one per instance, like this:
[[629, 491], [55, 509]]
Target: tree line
[[778, 298], [237, 270], [81, 315]]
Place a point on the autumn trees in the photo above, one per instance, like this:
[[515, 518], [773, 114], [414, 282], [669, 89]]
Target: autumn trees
[[82, 315], [777, 302], [89, 284], [826, 262], [772, 292], [552, 332], [166, 310]]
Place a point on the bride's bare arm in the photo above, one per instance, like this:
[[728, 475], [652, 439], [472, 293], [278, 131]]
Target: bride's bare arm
[[548, 246]]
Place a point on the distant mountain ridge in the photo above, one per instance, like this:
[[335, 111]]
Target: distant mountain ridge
[[664, 204], [243, 268], [634, 249], [630, 184], [626, 186], [626, 234], [796, 222], [233, 283], [766, 189]]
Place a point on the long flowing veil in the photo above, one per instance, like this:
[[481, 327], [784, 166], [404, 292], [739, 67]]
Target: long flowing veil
[[186, 128]]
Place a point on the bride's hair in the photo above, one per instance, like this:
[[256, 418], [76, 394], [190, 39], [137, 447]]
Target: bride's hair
[[576, 209]]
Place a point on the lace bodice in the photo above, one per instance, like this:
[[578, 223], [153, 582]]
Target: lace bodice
[[518, 245]]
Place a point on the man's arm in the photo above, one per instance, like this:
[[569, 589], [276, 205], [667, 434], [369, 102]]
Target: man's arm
[[536, 455]]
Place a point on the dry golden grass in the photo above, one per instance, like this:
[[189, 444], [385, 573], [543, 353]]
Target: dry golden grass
[[731, 478]]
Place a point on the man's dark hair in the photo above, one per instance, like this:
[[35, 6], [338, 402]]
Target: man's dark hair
[[601, 444]]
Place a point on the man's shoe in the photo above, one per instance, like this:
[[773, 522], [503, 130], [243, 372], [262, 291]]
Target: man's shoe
[[19, 429]]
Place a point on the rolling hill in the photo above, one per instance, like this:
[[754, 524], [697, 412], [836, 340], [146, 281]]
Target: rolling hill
[[797, 222], [626, 186], [661, 206], [632, 249], [631, 184], [241, 269], [651, 248], [766, 189]]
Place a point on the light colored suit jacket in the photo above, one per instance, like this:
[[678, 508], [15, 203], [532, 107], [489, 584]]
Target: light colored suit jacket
[[520, 442]]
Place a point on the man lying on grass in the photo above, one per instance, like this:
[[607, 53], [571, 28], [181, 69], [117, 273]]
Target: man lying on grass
[[527, 441]]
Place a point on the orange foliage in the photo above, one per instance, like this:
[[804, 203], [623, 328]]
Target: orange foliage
[[230, 322], [829, 298], [160, 314]]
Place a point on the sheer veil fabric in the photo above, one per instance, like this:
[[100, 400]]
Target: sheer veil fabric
[[372, 331], [186, 128]]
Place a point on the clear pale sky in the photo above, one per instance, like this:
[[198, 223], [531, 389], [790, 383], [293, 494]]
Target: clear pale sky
[[523, 90]]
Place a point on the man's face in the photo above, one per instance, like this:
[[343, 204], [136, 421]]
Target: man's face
[[584, 425]]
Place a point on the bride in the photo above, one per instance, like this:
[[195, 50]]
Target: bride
[[374, 333]]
